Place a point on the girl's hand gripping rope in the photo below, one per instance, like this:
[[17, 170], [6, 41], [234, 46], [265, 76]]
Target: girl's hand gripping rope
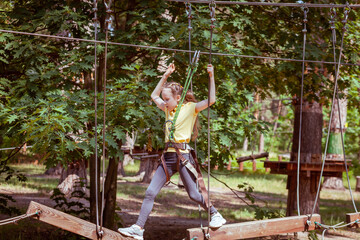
[[210, 70], [170, 70]]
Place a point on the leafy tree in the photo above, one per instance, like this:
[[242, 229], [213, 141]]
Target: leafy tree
[[46, 85]]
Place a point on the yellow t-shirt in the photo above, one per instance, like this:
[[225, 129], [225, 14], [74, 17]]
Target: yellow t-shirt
[[184, 124]]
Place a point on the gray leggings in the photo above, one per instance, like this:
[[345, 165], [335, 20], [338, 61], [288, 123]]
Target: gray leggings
[[159, 180]]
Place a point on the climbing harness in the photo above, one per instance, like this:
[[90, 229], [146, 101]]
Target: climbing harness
[[190, 72], [193, 168]]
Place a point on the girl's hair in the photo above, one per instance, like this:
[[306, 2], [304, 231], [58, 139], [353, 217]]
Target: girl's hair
[[177, 89]]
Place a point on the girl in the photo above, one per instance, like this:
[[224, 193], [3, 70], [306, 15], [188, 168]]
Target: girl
[[176, 154]]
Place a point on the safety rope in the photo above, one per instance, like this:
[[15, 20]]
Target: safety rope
[[190, 73], [188, 10], [18, 218], [95, 19], [172, 49], [306, 10], [212, 7], [108, 21], [333, 227], [346, 13], [335, 96]]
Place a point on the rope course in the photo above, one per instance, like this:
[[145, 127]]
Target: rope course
[[174, 49], [335, 98], [191, 70]]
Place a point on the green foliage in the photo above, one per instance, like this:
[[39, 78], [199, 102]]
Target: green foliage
[[46, 85], [261, 212], [312, 235], [4, 208], [75, 204]]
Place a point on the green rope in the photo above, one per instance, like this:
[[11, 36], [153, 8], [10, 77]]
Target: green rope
[[190, 73]]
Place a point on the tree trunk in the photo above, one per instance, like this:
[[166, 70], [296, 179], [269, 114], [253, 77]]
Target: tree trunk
[[121, 170], [310, 152], [93, 192], [54, 171], [151, 165], [73, 178], [335, 151], [245, 145], [110, 193]]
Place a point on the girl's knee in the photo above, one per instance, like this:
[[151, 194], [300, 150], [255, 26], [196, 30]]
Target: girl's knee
[[150, 194], [195, 196]]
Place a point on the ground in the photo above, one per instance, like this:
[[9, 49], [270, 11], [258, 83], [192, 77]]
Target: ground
[[162, 223], [173, 211]]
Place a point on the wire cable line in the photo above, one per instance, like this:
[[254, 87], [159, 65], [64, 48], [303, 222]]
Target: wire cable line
[[174, 49]]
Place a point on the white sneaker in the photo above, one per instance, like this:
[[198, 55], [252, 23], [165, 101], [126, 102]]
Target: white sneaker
[[133, 231], [216, 220]]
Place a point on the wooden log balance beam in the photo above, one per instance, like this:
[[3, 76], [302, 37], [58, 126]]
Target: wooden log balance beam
[[259, 228], [70, 223], [352, 217], [252, 157]]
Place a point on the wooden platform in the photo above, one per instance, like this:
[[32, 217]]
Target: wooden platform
[[351, 217], [70, 223], [331, 169], [256, 228]]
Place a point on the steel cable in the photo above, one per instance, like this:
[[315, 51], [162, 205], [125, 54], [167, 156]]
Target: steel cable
[[95, 120], [306, 10], [335, 94], [174, 49]]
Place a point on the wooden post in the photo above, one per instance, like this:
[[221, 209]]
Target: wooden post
[[255, 229], [229, 165], [241, 166], [71, 223], [254, 165], [352, 217], [267, 169], [357, 187]]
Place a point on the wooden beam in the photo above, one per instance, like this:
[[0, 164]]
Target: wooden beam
[[257, 228], [252, 157], [70, 223], [352, 217]]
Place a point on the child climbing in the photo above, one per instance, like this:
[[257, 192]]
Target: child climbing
[[178, 156]]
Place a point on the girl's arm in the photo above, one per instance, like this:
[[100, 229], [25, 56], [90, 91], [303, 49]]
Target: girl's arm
[[155, 95], [204, 103]]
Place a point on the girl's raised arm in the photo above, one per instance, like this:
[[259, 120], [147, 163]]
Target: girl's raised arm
[[204, 103], [155, 95]]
